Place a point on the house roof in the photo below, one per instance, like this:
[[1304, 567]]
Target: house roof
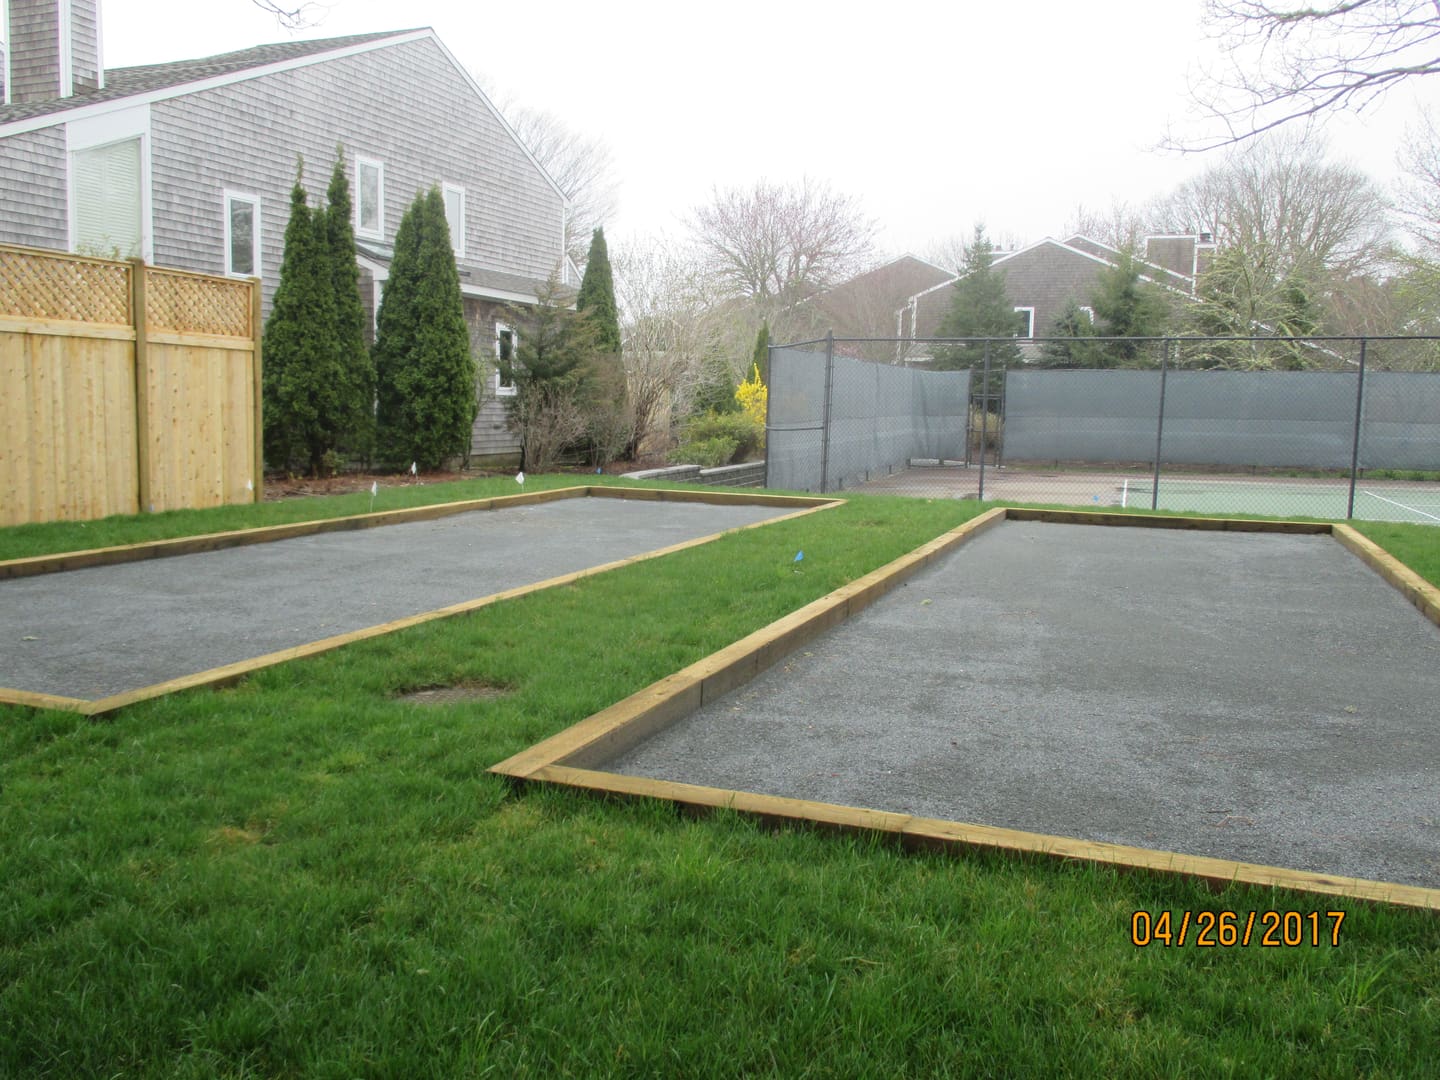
[[153, 82], [127, 82]]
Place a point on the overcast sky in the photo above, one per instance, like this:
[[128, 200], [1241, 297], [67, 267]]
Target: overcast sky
[[934, 115]]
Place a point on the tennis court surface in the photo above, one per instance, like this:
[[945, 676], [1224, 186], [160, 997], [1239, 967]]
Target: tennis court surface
[[1375, 500], [1257, 697], [97, 633]]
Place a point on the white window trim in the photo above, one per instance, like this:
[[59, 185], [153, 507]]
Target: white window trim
[[456, 242], [228, 197], [500, 327], [1089, 312], [379, 232], [67, 39], [1030, 311], [102, 130], [5, 49]]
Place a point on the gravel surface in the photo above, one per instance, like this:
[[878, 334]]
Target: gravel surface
[[1259, 697], [105, 630]]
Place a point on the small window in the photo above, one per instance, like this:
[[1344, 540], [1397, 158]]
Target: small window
[[505, 343], [1088, 312], [242, 235], [369, 198], [455, 217], [1025, 322]]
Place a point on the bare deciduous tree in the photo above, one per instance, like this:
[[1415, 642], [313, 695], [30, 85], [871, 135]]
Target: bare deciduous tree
[[775, 244], [580, 165], [1121, 226], [293, 16], [1419, 196], [1287, 61], [667, 316], [1281, 199]]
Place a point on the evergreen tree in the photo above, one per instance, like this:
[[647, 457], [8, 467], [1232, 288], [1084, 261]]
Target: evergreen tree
[[551, 371], [1072, 341], [1242, 297], [597, 296], [358, 368], [761, 359], [609, 419], [303, 377], [424, 371], [1128, 307], [979, 308]]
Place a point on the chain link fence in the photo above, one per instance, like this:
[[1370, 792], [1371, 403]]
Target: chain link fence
[[1293, 427]]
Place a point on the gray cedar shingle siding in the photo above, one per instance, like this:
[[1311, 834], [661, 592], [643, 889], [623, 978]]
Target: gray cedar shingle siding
[[85, 45], [33, 189], [404, 105], [34, 50], [491, 435]]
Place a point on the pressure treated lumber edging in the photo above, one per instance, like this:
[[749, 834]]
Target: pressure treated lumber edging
[[572, 757]]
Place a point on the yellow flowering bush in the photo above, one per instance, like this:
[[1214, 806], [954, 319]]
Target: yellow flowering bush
[[753, 396]]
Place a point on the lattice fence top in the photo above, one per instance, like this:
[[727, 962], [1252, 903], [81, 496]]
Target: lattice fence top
[[186, 303], [35, 285]]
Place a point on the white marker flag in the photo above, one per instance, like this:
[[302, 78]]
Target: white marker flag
[[520, 478], [412, 468]]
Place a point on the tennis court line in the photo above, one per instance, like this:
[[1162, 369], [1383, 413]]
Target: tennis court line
[[1402, 506]]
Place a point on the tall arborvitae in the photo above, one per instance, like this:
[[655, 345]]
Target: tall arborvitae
[[609, 419], [303, 378], [596, 299], [424, 371], [979, 308], [357, 367]]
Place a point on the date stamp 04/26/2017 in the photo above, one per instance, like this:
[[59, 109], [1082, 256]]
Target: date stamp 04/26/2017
[[1236, 929]]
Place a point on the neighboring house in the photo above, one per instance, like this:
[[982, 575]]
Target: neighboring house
[[908, 298], [190, 164], [862, 307], [1041, 278]]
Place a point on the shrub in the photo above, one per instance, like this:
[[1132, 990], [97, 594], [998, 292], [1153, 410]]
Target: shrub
[[707, 453], [745, 435]]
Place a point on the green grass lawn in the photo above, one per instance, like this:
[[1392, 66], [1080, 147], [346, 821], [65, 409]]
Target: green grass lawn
[[301, 876]]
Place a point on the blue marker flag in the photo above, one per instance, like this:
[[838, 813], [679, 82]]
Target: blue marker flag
[[799, 555]]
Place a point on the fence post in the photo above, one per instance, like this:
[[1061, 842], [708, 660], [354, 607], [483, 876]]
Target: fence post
[[769, 380], [825, 415], [1355, 443], [984, 419], [1160, 426], [142, 384], [257, 301]]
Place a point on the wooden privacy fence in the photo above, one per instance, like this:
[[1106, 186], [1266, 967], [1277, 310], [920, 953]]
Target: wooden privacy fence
[[124, 387]]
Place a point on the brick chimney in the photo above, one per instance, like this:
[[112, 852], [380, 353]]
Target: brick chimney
[[52, 49]]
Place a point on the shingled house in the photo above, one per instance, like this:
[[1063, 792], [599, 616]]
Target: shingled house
[[1041, 278], [190, 164]]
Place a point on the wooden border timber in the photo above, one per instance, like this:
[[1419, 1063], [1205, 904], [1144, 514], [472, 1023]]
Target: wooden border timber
[[570, 758], [1412, 586], [229, 673], [932, 834]]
